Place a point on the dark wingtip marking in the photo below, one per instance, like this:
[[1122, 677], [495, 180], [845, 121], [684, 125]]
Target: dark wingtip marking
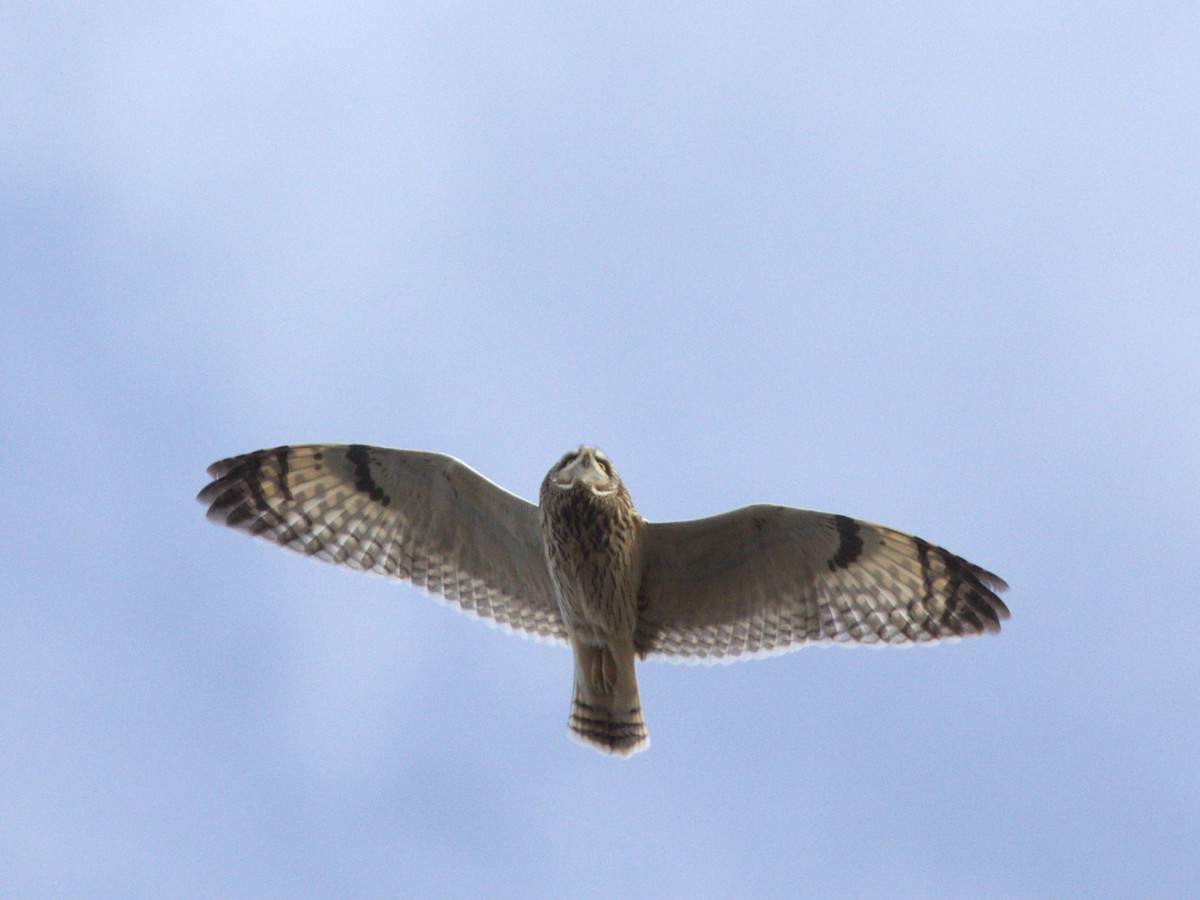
[[223, 467], [850, 544], [234, 517], [971, 606], [211, 491], [989, 579]]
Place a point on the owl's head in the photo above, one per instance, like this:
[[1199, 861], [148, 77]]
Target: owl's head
[[588, 468]]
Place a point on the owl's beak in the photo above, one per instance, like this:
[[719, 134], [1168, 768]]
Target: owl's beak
[[585, 470]]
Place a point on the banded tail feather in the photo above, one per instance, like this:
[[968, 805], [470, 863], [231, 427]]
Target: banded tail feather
[[618, 730], [606, 711]]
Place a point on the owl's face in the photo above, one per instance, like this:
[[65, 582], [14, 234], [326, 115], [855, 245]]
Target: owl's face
[[587, 468]]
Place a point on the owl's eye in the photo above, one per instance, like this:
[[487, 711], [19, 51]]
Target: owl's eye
[[605, 465]]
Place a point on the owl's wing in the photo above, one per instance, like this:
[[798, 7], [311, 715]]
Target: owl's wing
[[422, 517], [766, 579]]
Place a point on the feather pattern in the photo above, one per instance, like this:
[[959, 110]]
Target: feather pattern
[[424, 518], [584, 568], [767, 579]]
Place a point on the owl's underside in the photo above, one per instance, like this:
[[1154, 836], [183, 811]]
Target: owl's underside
[[584, 568]]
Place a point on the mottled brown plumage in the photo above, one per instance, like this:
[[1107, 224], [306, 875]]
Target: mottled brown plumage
[[586, 570], [592, 536]]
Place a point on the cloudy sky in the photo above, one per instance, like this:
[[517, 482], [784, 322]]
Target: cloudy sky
[[923, 264]]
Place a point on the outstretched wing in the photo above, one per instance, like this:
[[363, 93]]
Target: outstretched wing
[[421, 517], [765, 579]]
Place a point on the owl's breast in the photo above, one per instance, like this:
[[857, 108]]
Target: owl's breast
[[591, 548]]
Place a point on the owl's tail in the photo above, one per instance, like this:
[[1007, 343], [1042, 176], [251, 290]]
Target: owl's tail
[[605, 709]]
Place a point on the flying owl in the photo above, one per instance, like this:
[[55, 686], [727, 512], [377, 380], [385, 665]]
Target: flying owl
[[583, 568]]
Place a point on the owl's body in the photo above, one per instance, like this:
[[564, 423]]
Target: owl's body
[[583, 568], [593, 541]]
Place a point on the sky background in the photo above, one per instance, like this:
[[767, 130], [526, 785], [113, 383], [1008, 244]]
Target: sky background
[[924, 264]]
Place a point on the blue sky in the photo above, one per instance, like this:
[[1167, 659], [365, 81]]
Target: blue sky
[[928, 265]]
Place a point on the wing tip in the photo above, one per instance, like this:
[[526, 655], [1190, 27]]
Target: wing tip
[[990, 580], [210, 492], [223, 467], [992, 584], [1001, 611]]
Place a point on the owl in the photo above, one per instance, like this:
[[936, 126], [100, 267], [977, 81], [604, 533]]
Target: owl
[[583, 568]]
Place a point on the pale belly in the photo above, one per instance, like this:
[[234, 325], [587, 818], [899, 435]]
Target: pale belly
[[596, 597]]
